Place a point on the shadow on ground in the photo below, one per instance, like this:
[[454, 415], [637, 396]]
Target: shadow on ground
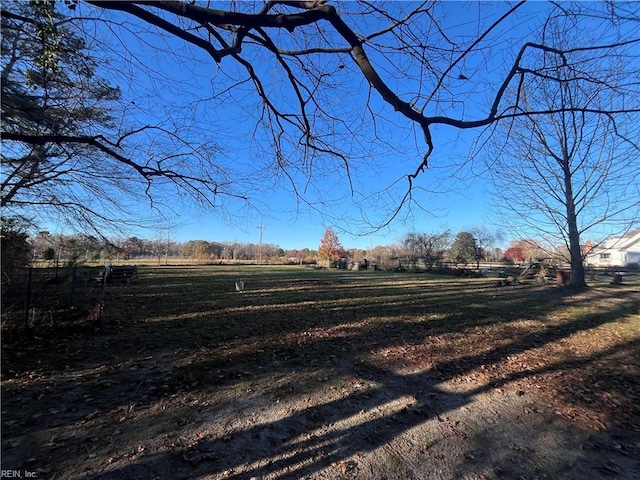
[[328, 375]]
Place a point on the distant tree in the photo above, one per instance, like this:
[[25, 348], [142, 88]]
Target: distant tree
[[379, 253], [428, 247], [330, 246], [215, 249], [515, 254], [201, 250], [227, 251], [386, 256], [531, 249], [485, 239], [236, 251], [308, 256], [464, 248], [435, 245], [72, 250], [494, 254], [133, 246], [48, 254], [356, 254]]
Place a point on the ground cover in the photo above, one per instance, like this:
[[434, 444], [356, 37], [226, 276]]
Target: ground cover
[[330, 374]]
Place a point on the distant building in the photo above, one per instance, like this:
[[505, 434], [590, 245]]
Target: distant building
[[616, 251]]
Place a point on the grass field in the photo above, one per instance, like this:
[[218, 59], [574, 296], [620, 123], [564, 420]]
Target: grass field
[[330, 374]]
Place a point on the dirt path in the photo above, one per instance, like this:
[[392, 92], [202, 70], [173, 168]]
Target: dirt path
[[366, 423]]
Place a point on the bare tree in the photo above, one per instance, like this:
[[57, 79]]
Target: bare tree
[[485, 240], [576, 169], [426, 247], [297, 66]]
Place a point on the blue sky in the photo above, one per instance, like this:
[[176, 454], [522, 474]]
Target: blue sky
[[184, 95], [439, 202]]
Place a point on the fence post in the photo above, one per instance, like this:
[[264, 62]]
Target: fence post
[[56, 278], [28, 301], [102, 294], [73, 281]]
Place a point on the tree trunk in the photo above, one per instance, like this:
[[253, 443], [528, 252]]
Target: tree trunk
[[577, 267]]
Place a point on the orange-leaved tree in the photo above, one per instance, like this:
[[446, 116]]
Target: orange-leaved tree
[[330, 247]]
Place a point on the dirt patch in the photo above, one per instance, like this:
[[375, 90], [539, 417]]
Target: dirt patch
[[362, 376]]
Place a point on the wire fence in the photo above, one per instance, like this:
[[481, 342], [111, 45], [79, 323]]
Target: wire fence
[[34, 299]]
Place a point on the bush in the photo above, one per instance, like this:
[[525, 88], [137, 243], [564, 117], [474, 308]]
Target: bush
[[15, 247], [48, 254]]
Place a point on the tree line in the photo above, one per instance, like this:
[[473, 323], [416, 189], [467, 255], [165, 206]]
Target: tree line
[[414, 250], [70, 249]]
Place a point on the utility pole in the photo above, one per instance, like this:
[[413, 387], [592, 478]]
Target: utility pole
[[166, 250], [260, 227]]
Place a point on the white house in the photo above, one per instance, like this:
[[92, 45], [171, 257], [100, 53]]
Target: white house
[[616, 251]]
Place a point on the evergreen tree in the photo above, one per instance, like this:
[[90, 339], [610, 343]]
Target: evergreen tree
[[463, 249], [51, 100]]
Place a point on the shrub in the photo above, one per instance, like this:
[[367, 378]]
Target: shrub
[[15, 247], [48, 254]]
